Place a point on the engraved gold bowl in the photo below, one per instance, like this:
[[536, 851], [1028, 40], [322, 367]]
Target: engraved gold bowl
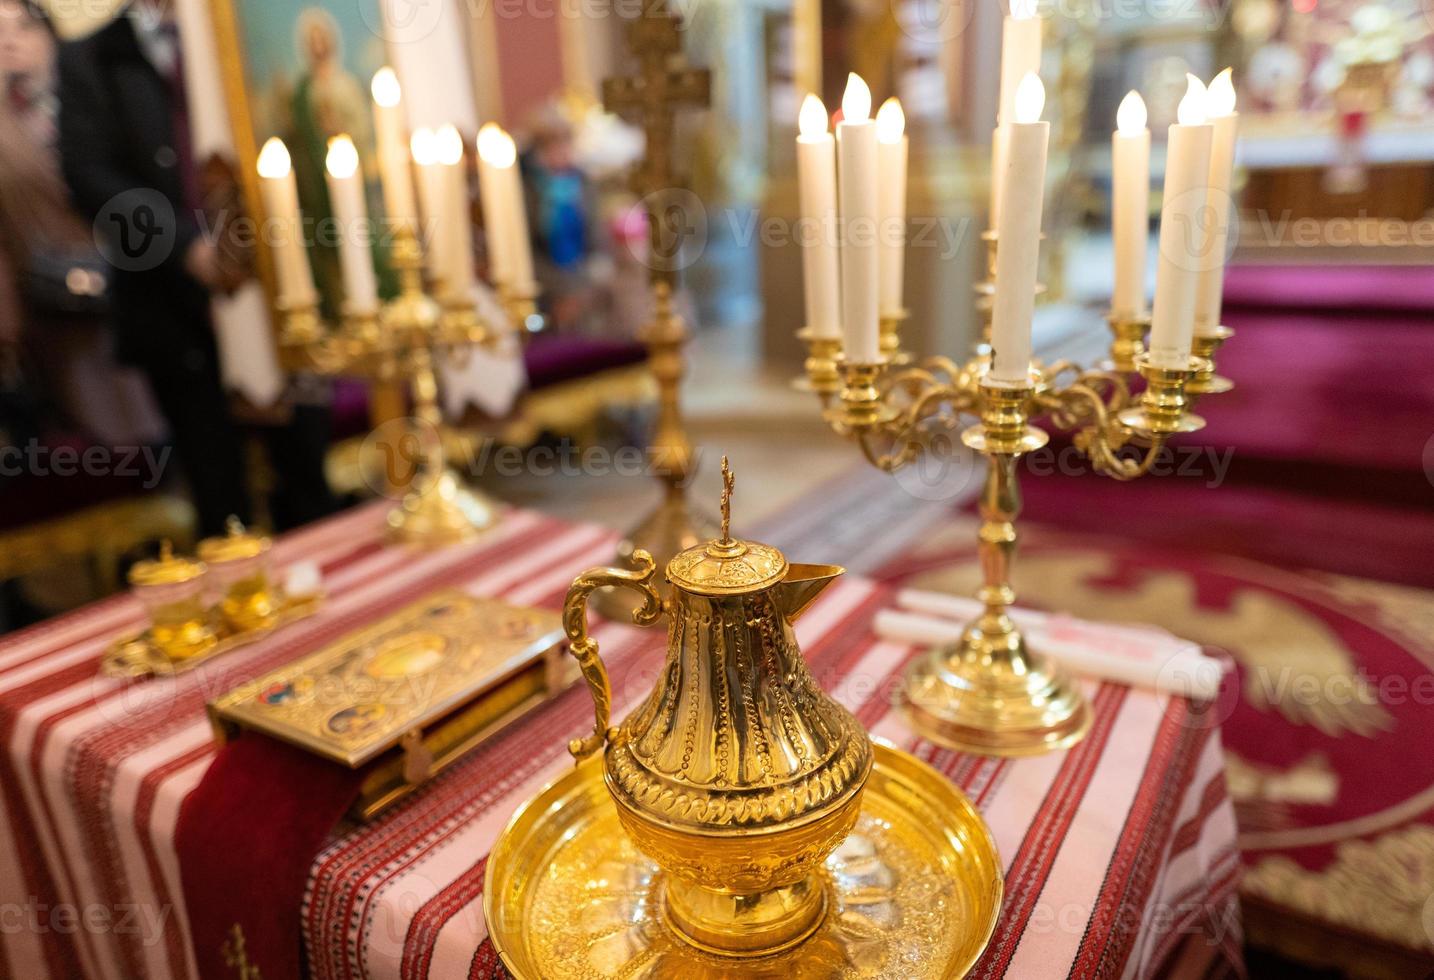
[[912, 892]]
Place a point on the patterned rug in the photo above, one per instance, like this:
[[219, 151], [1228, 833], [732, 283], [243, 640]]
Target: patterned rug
[[1326, 725]]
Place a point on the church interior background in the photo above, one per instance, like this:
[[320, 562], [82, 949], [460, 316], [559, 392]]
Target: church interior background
[[247, 451]]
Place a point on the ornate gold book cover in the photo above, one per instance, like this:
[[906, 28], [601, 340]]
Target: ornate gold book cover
[[425, 684]]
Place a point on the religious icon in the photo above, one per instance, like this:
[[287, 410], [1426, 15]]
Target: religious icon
[[302, 73]]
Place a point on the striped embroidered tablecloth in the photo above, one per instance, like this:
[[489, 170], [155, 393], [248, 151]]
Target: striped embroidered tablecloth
[[1119, 853]]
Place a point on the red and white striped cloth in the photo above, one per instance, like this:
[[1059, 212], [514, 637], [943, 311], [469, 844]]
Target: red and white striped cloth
[[1120, 853]]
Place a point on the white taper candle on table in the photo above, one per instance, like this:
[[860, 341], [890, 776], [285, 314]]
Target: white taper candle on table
[[816, 175], [856, 153], [350, 210], [457, 225], [892, 151], [1184, 236], [394, 162], [294, 277], [1023, 193], [1130, 207], [1225, 125]]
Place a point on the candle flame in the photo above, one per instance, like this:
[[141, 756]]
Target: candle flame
[[274, 160], [1220, 96], [1023, 9], [496, 147], [1131, 117], [386, 90], [856, 100], [812, 120], [1030, 98], [343, 158], [1192, 106], [449, 146], [890, 121], [424, 145]]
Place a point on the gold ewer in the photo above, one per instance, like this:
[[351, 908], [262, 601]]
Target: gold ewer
[[738, 776]]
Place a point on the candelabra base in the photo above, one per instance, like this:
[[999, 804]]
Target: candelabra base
[[672, 528], [989, 696], [444, 512]]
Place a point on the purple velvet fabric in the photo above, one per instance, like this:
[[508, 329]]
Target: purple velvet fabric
[[1324, 288], [555, 359]]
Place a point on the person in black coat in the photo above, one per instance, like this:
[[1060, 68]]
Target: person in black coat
[[126, 154]]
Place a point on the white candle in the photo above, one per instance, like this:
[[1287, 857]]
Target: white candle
[[1225, 123], [816, 173], [856, 151], [393, 160], [1184, 237], [457, 223], [432, 185], [892, 149], [1023, 193], [346, 197], [1130, 206], [515, 224], [1020, 56], [295, 279], [490, 193]]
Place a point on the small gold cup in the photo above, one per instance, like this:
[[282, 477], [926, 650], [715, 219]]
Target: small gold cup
[[239, 569], [172, 591]]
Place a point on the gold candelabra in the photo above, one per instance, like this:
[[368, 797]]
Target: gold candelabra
[[652, 97], [404, 339], [990, 693]]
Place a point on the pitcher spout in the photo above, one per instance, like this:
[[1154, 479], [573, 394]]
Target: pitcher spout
[[801, 586]]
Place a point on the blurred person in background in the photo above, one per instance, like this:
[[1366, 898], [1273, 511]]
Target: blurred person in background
[[127, 156], [55, 336]]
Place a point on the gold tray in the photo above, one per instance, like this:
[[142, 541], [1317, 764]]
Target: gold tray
[[916, 890], [137, 657]]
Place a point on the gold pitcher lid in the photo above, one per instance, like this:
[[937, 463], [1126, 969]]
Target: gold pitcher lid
[[725, 566], [167, 569], [237, 544]]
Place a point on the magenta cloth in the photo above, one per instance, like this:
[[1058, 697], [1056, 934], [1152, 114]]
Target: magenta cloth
[[1337, 388], [552, 359], [1326, 287], [1120, 853]]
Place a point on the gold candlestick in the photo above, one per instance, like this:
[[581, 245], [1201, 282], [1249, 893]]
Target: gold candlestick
[[990, 693], [404, 339], [662, 85]]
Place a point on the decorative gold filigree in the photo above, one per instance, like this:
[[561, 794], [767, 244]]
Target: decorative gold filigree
[[236, 954], [1380, 887]]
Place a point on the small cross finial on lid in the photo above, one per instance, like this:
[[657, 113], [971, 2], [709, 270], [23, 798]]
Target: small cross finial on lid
[[728, 481], [234, 526], [166, 550]]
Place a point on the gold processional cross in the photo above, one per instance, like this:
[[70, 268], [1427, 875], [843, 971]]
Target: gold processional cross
[[652, 97]]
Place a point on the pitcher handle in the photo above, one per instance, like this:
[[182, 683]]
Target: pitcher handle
[[585, 648]]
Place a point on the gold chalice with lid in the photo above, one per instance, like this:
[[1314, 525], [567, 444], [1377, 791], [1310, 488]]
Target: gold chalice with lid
[[739, 818]]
